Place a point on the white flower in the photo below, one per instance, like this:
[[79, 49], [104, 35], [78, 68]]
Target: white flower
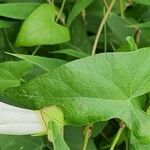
[[19, 121]]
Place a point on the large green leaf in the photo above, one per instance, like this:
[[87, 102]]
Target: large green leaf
[[11, 73], [17, 10], [48, 64], [95, 88], [40, 28]]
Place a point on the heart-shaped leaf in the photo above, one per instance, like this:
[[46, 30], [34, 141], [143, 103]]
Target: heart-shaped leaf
[[40, 28], [95, 88]]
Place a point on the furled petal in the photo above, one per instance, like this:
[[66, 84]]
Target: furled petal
[[19, 121]]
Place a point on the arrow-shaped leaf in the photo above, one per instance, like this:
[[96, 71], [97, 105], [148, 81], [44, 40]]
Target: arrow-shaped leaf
[[40, 28], [95, 88]]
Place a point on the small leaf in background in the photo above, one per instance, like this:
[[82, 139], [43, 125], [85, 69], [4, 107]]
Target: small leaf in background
[[119, 28], [131, 43], [4, 24], [40, 28], [77, 8], [17, 10], [74, 138], [12, 72], [79, 36], [145, 2], [135, 144], [72, 52], [48, 64], [141, 25], [21, 143]]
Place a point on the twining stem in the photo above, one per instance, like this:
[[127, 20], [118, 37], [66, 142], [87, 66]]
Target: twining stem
[[8, 41], [126, 142], [101, 27], [61, 10], [105, 34], [122, 127], [105, 3], [122, 8], [86, 133], [137, 36]]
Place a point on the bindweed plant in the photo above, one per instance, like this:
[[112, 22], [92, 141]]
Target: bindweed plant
[[74, 75]]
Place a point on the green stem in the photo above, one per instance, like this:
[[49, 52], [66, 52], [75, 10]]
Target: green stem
[[9, 43], [101, 27], [105, 3], [49, 1], [86, 134], [127, 146], [105, 35], [36, 49], [61, 10], [122, 8], [116, 139]]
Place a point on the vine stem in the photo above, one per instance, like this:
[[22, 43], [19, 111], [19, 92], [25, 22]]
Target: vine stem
[[122, 8], [87, 133], [61, 10], [122, 127], [105, 3], [36, 49], [101, 27], [9, 43], [105, 34]]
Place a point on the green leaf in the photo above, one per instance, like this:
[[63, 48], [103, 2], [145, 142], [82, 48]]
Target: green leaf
[[12, 72], [48, 64], [17, 10], [137, 145], [141, 25], [74, 138], [145, 2], [40, 28], [131, 43], [129, 46], [79, 37], [95, 88], [21, 142], [72, 52], [119, 27], [4, 24], [77, 8]]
